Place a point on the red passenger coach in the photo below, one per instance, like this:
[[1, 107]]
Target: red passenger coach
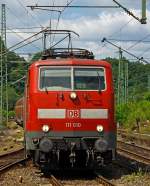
[[69, 111]]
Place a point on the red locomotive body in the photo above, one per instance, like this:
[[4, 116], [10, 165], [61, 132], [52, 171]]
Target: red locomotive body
[[69, 113]]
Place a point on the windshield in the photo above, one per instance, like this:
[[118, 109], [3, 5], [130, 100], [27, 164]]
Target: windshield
[[72, 78], [55, 79]]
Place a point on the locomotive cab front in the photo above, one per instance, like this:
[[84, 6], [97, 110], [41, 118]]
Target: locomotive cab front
[[70, 113]]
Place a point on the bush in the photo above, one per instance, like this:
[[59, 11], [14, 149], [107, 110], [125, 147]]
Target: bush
[[129, 115]]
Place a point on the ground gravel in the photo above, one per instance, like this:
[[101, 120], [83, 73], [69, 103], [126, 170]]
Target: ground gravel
[[30, 176], [24, 175]]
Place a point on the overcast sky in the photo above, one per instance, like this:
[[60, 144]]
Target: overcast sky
[[91, 24]]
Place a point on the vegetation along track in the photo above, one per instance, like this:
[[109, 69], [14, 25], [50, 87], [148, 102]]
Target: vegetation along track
[[10, 159], [95, 181], [135, 152]]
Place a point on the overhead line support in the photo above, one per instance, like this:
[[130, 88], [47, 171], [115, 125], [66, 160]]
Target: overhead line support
[[143, 19], [140, 59], [77, 6], [3, 69]]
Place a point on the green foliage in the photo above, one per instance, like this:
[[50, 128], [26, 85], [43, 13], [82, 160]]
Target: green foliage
[[147, 96], [37, 56], [138, 78], [129, 114], [11, 114]]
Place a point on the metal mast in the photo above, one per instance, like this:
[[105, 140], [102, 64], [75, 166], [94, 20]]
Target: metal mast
[[148, 82], [143, 19], [3, 69], [122, 92]]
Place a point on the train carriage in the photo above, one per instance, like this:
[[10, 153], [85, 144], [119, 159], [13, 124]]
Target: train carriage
[[69, 111]]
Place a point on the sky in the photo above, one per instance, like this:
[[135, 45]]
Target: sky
[[91, 24]]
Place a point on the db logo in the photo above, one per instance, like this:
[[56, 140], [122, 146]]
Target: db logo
[[73, 113]]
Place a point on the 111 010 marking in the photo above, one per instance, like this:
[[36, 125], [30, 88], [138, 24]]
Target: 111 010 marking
[[73, 125]]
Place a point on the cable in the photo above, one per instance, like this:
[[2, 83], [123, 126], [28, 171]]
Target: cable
[[23, 38], [144, 51], [68, 3], [140, 59], [15, 15], [27, 43], [126, 40], [142, 21], [15, 45], [120, 29], [24, 28], [138, 42], [26, 10]]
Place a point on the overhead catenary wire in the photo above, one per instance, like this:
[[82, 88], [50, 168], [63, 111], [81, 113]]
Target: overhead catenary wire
[[128, 40], [17, 17], [52, 10], [26, 10], [139, 41], [17, 33], [24, 28], [116, 32], [145, 51], [15, 45], [59, 16], [140, 59]]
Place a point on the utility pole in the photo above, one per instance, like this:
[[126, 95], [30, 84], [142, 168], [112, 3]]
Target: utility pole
[[143, 19], [122, 91], [148, 82], [3, 69]]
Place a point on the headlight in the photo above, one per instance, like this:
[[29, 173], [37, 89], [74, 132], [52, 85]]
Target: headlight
[[45, 145], [45, 128], [101, 145], [99, 128], [73, 95]]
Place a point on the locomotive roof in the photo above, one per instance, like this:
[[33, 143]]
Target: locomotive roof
[[71, 62]]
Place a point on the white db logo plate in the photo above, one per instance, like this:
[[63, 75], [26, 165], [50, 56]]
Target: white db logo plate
[[73, 113]]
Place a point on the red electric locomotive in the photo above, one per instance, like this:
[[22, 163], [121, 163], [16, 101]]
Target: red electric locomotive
[[69, 111]]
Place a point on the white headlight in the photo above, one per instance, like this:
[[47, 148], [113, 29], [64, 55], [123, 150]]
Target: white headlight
[[45, 128], [73, 95], [99, 128]]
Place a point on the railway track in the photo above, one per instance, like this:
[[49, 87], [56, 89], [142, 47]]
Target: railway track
[[135, 152], [98, 180], [139, 138], [12, 158]]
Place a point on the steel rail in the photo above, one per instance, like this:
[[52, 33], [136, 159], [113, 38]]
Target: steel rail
[[54, 181], [134, 156], [103, 181], [11, 152], [134, 146], [7, 160], [134, 153], [122, 131], [137, 138], [10, 165]]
